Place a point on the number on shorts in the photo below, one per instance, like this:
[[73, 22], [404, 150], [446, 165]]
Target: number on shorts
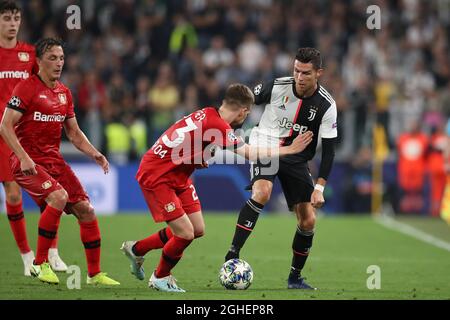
[[194, 193]]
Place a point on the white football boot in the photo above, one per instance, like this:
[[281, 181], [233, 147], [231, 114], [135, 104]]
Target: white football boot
[[27, 259], [136, 261], [167, 284], [55, 261]]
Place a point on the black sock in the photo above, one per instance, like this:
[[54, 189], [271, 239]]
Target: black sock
[[300, 249], [245, 224]]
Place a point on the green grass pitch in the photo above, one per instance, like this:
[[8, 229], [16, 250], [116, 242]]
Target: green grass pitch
[[344, 247]]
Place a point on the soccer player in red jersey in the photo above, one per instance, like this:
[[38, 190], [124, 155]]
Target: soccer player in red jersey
[[164, 174], [17, 62], [31, 126]]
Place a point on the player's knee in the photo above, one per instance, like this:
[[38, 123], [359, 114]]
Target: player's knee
[[308, 223], [58, 199], [261, 194], [13, 194], [199, 230], [85, 212], [187, 235], [13, 197], [199, 233]]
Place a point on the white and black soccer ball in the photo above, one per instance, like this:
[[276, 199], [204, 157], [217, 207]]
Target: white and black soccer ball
[[236, 274]]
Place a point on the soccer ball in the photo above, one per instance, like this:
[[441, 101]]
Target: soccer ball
[[236, 274]]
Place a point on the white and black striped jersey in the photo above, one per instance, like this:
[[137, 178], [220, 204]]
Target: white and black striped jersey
[[286, 115]]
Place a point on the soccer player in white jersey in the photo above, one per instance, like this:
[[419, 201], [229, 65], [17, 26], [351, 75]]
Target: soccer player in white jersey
[[293, 105]]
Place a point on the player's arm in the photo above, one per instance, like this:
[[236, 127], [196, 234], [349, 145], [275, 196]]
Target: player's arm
[[252, 152], [329, 135], [262, 93], [328, 147], [10, 119], [81, 142]]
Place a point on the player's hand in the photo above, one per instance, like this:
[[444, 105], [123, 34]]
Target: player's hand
[[301, 142], [317, 199], [28, 167], [102, 162], [204, 165]]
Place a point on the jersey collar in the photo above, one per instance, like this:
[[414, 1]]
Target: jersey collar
[[40, 79], [296, 94]]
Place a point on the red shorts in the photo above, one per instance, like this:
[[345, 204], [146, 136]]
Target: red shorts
[[167, 203], [48, 179], [5, 168]]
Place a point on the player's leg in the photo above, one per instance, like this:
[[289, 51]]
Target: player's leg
[[158, 239], [48, 194], [158, 205], [187, 223], [78, 204], [136, 250], [14, 208], [198, 230], [301, 244], [54, 259], [183, 234], [155, 241], [297, 186], [192, 207], [14, 211], [91, 239], [48, 228], [261, 190], [15, 214], [198, 223]]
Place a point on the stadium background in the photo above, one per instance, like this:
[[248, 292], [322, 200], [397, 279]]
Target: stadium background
[[136, 66]]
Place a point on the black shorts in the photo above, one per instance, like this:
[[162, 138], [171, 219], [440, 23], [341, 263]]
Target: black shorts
[[296, 180]]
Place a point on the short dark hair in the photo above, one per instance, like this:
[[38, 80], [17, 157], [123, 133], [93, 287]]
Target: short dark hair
[[43, 45], [9, 5], [239, 95], [309, 55]]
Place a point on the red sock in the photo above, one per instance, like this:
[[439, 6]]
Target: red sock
[[48, 227], [171, 254], [90, 236], [18, 226], [155, 241]]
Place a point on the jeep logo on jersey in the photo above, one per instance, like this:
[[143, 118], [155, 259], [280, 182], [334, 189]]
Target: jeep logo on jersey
[[257, 89], [285, 123], [312, 113], [48, 117]]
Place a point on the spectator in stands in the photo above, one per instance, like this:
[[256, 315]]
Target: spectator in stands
[[412, 148]]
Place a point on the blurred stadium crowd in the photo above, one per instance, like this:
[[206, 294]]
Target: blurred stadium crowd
[[137, 65]]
